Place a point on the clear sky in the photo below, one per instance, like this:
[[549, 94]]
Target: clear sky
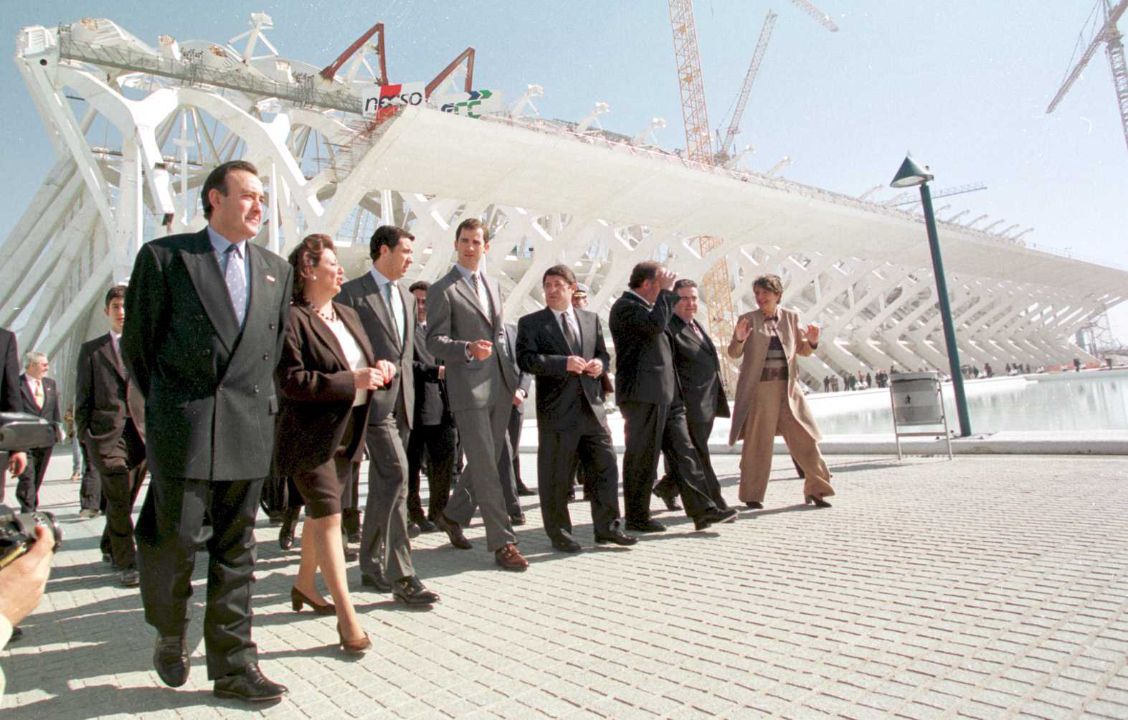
[[964, 84]]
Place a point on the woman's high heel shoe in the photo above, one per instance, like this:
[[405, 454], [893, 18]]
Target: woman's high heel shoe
[[818, 501], [298, 598], [353, 647]]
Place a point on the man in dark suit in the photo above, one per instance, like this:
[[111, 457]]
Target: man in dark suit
[[646, 389], [432, 431], [564, 348], [699, 378], [10, 401], [510, 468], [205, 318], [109, 417], [465, 331], [40, 398], [386, 310]]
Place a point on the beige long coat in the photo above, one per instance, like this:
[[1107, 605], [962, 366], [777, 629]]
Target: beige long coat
[[754, 351]]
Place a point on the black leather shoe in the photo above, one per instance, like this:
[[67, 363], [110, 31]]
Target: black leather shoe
[[410, 591], [170, 658], [646, 526], [107, 558], [286, 531], [668, 493], [566, 544], [523, 491], [753, 505], [376, 581], [17, 634], [249, 686], [453, 532], [426, 526], [713, 516], [615, 534], [351, 554], [413, 530], [129, 577], [517, 520]]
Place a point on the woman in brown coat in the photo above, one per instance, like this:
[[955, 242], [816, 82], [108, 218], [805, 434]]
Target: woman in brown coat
[[768, 399], [325, 376]]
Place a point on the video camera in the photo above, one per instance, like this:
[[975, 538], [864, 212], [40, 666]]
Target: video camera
[[17, 532], [23, 431]]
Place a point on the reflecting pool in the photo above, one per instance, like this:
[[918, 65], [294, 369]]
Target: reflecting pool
[[1092, 400]]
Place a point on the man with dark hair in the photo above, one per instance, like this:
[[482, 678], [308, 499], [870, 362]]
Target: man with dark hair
[[109, 416], [465, 331], [385, 309], [698, 368], [432, 431], [564, 348], [205, 317], [40, 398], [646, 389]]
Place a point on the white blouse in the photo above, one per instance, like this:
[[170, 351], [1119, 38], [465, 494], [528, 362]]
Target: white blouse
[[353, 353]]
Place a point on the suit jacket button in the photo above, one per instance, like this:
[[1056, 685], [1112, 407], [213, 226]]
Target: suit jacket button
[[256, 389], [266, 356], [205, 352]]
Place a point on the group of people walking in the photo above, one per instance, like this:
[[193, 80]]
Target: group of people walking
[[252, 366]]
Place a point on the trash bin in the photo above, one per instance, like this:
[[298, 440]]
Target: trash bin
[[917, 400]]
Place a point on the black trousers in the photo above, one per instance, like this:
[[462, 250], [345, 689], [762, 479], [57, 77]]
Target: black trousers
[[27, 489], [699, 435], [558, 454], [516, 423], [651, 428], [180, 516], [90, 489], [437, 444], [122, 471]]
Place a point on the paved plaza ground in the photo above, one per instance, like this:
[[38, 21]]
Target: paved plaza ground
[[984, 587]]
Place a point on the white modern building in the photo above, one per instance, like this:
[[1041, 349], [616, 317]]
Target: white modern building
[[136, 127]]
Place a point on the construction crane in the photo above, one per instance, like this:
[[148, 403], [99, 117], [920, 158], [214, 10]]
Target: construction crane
[[716, 285], [946, 192], [1108, 34], [724, 152], [820, 17], [690, 82]]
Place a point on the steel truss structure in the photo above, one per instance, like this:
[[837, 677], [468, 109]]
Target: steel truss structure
[[136, 129]]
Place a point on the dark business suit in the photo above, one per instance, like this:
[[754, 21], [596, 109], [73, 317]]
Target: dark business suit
[[209, 413], [571, 422], [481, 396], [699, 377], [27, 490], [432, 431], [318, 389], [646, 389], [109, 417], [509, 467], [10, 399], [384, 542]]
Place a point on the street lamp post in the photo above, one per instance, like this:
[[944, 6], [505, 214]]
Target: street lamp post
[[913, 175]]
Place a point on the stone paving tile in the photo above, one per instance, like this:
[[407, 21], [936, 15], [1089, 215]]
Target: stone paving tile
[[986, 587]]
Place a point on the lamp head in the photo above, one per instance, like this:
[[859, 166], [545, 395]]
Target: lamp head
[[911, 174]]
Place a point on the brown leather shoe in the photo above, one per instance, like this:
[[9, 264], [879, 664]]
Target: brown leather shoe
[[453, 532], [510, 558]]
